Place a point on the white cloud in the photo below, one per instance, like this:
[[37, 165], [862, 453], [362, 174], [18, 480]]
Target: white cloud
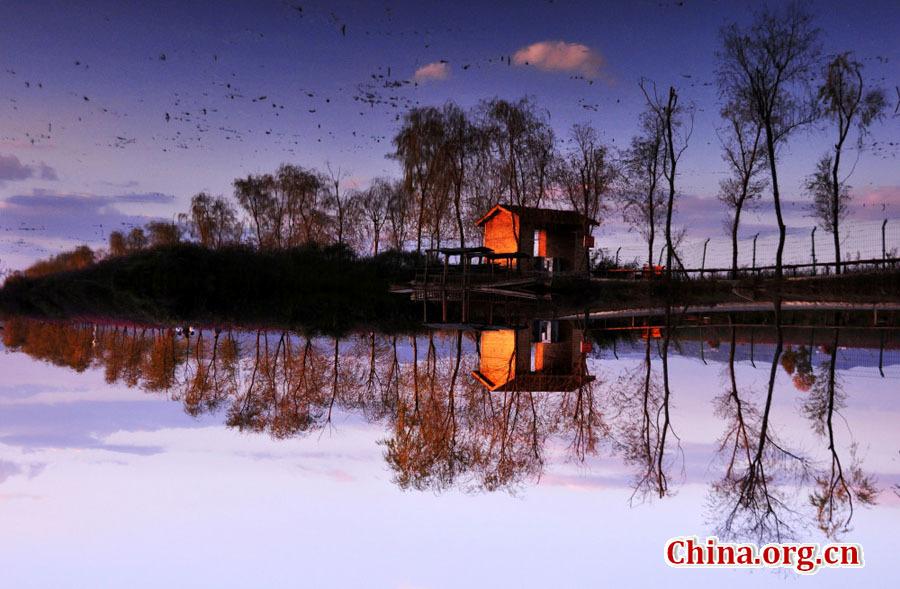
[[561, 56], [437, 70]]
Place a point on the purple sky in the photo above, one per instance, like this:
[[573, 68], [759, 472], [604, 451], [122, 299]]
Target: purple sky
[[111, 112]]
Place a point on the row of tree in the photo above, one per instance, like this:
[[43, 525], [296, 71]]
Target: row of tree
[[456, 164]]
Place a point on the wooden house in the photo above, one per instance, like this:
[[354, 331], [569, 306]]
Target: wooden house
[[548, 239]]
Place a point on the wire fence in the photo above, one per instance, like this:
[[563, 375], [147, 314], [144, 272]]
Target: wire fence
[[872, 243]]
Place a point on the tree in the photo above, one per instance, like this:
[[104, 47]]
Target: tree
[[399, 214], [161, 233], [136, 240], [300, 190], [675, 140], [418, 149], [340, 204], [828, 207], [584, 175], [766, 68], [254, 194], [460, 142], [641, 169], [373, 206], [117, 245], [845, 103], [841, 483], [745, 157], [522, 146], [212, 221], [76, 259]]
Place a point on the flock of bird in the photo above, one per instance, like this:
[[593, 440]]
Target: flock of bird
[[193, 114]]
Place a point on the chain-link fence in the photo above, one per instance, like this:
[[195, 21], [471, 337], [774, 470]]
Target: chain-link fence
[[870, 244]]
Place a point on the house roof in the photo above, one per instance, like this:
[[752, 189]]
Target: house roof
[[539, 215], [458, 251]]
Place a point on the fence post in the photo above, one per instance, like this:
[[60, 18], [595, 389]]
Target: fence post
[[617, 256], [703, 262], [883, 246], [813, 240], [754, 250]]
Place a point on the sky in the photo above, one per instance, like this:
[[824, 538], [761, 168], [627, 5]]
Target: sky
[[113, 112]]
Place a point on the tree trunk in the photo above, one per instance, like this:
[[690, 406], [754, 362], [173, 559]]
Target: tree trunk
[[776, 196], [836, 202], [734, 245]]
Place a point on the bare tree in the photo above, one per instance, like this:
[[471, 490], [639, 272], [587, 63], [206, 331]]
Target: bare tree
[[675, 141], [522, 146], [374, 203], [400, 213], [753, 499], [212, 221], [161, 233], [460, 142], [641, 169], [299, 191], [841, 483], [254, 194], [117, 245], [341, 204], [136, 240], [584, 175], [417, 147], [766, 67], [845, 103], [743, 153]]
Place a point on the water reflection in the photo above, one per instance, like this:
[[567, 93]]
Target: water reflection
[[486, 410]]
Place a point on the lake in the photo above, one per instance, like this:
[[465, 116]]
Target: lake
[[559, 452]]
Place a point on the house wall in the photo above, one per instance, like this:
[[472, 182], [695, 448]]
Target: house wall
[[562, 356], [504, 354], [500, 233], [506, 233]]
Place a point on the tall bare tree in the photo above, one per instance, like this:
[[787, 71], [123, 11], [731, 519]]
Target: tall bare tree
[[418, 146], [846, 104], [766, 68], [341, 204], [162, 233], [300, 190], [254, 194], [117, 245], [675, 136], [212, 221], [522, 147], [744, 155], [400, 212], [374, 203], [584, 175], [638, 184], [459, 146]]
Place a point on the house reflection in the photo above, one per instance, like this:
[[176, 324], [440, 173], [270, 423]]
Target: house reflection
[[548, 356]]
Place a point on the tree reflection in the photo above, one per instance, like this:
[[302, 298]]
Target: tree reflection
[[530, 394], [638, 397], [753, 499], [839, 484]]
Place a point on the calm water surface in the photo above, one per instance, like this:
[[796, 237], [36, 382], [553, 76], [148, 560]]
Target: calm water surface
[[540, 456]]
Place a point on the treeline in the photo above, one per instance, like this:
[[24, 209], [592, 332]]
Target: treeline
[[313, 288], [457, 163]]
